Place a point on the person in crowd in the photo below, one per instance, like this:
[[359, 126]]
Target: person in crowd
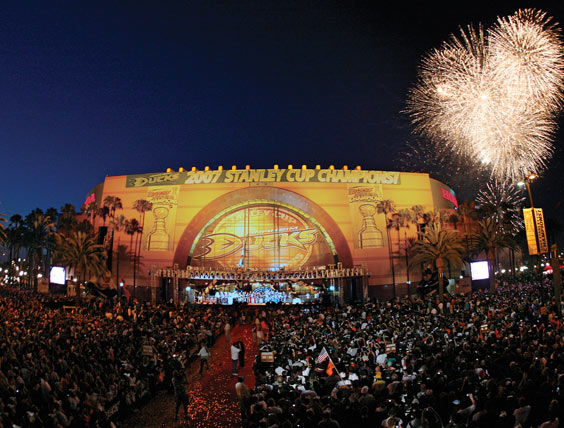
[[241, 347], [243, 395], [181, 397], [204, 355], [235, 350], [227, 329]]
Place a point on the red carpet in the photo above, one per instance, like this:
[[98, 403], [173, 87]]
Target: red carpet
[[213, 402]]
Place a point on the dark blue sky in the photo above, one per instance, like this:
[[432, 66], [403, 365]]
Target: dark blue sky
[[89, 89]]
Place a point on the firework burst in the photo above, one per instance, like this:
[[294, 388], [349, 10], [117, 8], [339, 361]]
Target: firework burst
[[494, 96], [525, 53], [502, 201]]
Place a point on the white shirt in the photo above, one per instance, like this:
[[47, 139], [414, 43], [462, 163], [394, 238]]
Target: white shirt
[[235, 352]]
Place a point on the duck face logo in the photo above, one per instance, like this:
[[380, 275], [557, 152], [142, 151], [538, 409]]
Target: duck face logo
[[261, 236]]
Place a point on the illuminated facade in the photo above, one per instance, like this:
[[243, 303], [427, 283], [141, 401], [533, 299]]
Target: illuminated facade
[[270, 219]]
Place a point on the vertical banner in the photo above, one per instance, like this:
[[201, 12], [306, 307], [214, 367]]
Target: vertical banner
[[369, 227], [160, 221], [541, 231], [530, 231]]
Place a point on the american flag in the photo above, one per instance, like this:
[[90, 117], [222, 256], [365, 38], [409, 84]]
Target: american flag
[[322, 356]]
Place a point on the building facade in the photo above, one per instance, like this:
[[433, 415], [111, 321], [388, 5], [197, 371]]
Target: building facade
[[271, 220]]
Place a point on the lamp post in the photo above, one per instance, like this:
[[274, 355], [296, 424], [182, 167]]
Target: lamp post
[[525, 182], [556, 279]]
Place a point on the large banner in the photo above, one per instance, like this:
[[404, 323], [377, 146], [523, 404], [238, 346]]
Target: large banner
[[264, 176], [530, 231], [160, 221], [369, 227], [262, 236]]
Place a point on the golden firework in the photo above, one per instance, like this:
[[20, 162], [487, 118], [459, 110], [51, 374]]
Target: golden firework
[[494, 96]]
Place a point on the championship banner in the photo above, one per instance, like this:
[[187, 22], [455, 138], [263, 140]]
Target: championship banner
[[530, 231], [264, 176], [367, 223], [159, 222], [541, 231]]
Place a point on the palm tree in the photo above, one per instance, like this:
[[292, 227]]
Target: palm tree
[[80, 252], [118, 225], [438, 247], [131, 228], [388, 207], [405, 218], [14, 236], [91, 209], [142, 206], [103, 212], [3, 221], [113, 203], [469, 213], [53, 214], [490, 237], [16, 220], [454, 219], [13, 241], [66, 222], [37, 237]]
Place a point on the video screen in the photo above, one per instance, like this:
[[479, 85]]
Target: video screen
[[479, 270], [57, 275]]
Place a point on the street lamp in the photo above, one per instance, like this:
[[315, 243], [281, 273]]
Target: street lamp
[[556, 280], [525, 182]]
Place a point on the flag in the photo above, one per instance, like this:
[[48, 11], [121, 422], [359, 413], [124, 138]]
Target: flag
[[322, 356], [330, 368]]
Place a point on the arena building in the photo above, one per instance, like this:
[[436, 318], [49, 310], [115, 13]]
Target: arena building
[[329, 227]]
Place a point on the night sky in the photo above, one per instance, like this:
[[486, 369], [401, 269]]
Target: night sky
[[90, 89]]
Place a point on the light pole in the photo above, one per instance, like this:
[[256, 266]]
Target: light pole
[[556, 279], [525, 182]]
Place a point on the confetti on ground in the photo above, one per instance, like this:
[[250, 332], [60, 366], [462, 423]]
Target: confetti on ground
[[213, 402]]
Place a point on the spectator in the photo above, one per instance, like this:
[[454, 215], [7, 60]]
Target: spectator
[[180, 393], [243, 395], [204, 357], [235, 357]]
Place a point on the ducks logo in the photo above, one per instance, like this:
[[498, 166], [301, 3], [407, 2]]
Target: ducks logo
[[261, 236]]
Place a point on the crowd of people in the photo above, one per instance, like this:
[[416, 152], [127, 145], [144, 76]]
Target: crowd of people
[[64, 364], [481, 360]]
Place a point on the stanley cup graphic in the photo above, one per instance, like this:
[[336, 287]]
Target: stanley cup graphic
[[369, 235], [158, 237]]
